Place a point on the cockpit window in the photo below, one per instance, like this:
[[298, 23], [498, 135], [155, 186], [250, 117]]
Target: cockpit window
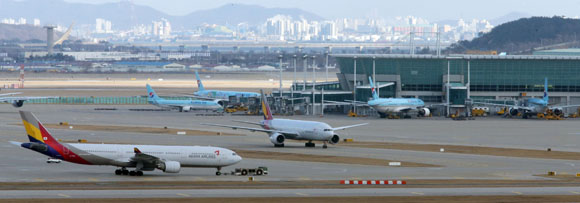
[[327, 129], [234, 154]]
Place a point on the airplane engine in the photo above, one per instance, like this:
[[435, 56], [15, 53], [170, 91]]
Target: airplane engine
[[18, 103], [334, 140], [424, 112], [277, 138], [170, 167], [221, 103], [558, 111], [514, 112], [185, 109]]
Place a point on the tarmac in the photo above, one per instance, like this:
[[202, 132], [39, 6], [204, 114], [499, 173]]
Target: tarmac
[[24, 166]]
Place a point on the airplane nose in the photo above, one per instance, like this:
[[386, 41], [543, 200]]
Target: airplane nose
[[238, 159]]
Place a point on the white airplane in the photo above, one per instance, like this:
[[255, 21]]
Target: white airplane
[[17, 101], [281, 129], [169, 159]]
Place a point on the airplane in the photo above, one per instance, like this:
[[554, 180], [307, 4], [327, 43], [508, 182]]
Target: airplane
[[533, 106], [182, 105], [388, 106], [281, 129], [17, 101], [169, 159], [219, 94]]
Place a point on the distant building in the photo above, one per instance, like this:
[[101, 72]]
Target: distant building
[[559, 52]]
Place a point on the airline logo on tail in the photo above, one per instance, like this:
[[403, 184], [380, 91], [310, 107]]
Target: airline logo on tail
[[37, 133], [199, 84], [151, 95], [266, 107]]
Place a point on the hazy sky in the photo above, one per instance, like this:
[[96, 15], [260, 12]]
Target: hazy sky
[[430, 9]]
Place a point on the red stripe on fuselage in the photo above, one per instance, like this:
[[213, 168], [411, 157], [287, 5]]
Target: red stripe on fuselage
[[66, 153]]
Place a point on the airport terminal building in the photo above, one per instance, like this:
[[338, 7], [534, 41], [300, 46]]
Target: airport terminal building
[[479, 77]]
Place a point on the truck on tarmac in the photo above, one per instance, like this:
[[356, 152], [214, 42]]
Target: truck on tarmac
[[261, 170]]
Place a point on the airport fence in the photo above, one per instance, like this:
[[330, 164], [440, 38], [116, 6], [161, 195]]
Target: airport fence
[[142, 100]]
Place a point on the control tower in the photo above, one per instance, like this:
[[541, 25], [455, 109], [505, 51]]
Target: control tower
[[50, 38]]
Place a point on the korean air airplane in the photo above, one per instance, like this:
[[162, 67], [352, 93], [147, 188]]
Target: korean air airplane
[[385, 106], [182, 105], [281, 129], [219, 94], [169, 159], [533, 106]]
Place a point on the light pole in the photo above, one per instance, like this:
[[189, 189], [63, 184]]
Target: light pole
[[313, 84], [305, 59], [326, 65], [293, 84], [354, 88], [280, 66]]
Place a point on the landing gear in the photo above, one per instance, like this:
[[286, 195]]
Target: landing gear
[[218, 173], [324, 146], [310, 144], [124, 171], [278, 145]]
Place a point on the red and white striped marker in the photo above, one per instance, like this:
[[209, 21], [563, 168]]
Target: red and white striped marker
[[373, 182]]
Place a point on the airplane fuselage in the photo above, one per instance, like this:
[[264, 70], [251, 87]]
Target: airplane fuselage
[[120, 155], [305, 130], [225, 95], [189, 104], [395, 105]]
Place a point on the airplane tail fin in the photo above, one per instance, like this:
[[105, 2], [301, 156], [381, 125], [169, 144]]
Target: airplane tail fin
[[199, 84], [151, 93], [266, 107], [373, 89], [34, 129], [546, 97]]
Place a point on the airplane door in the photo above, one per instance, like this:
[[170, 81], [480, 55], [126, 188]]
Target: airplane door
[[219, 156]]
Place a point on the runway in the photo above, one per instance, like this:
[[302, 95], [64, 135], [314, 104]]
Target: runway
[[231, 193]]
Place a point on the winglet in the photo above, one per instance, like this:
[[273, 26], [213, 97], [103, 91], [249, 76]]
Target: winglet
[[136, 150], [199, 84], [266, 107]]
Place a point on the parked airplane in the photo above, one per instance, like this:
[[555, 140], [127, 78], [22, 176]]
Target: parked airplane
[[281, 129], [219, 94], [389, 106], [169, 159], [17, 101], [182, 105], [386, 106], [533, 106]]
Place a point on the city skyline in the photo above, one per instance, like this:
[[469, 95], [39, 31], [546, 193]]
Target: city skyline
[[435, 11]]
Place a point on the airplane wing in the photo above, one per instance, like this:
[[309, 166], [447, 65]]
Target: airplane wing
[[15, 143], [10, 94], [349, 126], [253, 123], [10, 99], [291, 134], [565, 106], [378, 86], [147, 161], [337, 103]]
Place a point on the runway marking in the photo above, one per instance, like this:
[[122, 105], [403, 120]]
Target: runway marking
[[199, 179], [93, 179], [302, 194], [515, 192], [40, 180], [147, 178], [183, 195], [418, 193], [304, 178], [574, 192], [63, 195], [457, 177]]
